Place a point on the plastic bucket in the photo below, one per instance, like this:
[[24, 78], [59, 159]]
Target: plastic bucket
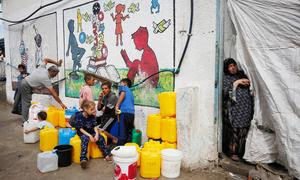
[[64, 153], [125, 162], [170, 164]]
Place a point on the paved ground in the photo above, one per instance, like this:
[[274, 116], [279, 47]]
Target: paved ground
[[18, 160]]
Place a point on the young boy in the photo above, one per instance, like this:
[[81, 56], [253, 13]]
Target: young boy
[[106, 103], [23, 73], [86, 90], [42, 116], [125, 104]]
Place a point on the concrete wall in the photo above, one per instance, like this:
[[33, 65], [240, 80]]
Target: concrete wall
[[196, 78]]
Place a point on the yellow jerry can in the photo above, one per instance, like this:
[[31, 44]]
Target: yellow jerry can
[[167, 102], [150, 163], [168, 129], [53, 115], [153, 126], [48, 139], [61, 118]]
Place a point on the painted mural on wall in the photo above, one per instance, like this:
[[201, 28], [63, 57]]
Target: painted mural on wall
[[118, 39], [31, 41]]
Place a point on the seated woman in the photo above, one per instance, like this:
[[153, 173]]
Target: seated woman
[[238, 106]]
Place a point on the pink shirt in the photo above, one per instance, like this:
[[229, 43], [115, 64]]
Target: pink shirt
[[85, 94]]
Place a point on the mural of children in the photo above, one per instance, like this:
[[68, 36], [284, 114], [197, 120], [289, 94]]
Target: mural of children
[[148, 63], [118, 18], [76, 51], [79, 21]]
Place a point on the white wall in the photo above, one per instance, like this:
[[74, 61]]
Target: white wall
[[197, 69]]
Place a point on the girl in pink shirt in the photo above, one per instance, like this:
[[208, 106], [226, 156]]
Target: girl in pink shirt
[[86, 90]]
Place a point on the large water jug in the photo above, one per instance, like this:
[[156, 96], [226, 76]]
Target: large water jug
[[76, 143], [168, 129], [167, 101], [95, 151], [47, 161], [153, 145], [65, 134], [150, 163], [31, 137], [48, 139], [61, 118], [153, 126], [53, 115]]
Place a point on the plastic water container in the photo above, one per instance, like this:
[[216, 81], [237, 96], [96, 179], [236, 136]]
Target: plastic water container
[[138, 149], [167, 101], [168, 129], [65, 134], [167, 145], [150, 163], [95, 151], [171, 161], [47, 161], [153, 145], [64, 153], [76, 143], [61, 118], [153, 126], [31, 137], [125, 162], [137, 136], [53, 115], [69, 112], [48, 139]]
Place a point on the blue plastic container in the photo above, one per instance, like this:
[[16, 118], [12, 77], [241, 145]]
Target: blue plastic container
[[64, 135], [70, 112]]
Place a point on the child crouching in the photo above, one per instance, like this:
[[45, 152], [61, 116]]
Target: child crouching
[[87, 131], [42, 116]]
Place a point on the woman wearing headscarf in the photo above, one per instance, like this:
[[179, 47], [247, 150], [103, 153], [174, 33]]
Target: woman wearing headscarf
[[238, 108]]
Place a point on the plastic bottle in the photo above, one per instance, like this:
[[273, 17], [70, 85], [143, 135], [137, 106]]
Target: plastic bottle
[[168, 129]]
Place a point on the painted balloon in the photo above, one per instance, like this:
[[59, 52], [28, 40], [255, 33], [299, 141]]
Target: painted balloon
[[96, 8], [82, 37]]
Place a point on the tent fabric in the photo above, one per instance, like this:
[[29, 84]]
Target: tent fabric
[[268, 49]]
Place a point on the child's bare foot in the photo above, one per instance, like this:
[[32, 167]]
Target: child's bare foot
[[108, 158], [83, 164]]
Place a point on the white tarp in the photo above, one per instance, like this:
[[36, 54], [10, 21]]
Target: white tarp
[[268, 49]]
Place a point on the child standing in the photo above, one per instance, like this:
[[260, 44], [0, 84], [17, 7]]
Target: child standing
[[17, 97], [86, 91], [42, 116], [87, 130], [126, 105]]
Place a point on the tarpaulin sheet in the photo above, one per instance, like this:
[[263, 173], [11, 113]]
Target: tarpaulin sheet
[[268, 49]]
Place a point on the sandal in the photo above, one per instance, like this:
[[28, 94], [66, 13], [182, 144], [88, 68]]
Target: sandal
[[108, 159], [235, 157]]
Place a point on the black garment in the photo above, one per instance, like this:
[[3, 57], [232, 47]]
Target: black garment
[[238, 141], [238, 104], [129, 125]]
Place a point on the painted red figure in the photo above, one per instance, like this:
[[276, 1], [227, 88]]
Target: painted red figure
[[118, 18], [148, 63]]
